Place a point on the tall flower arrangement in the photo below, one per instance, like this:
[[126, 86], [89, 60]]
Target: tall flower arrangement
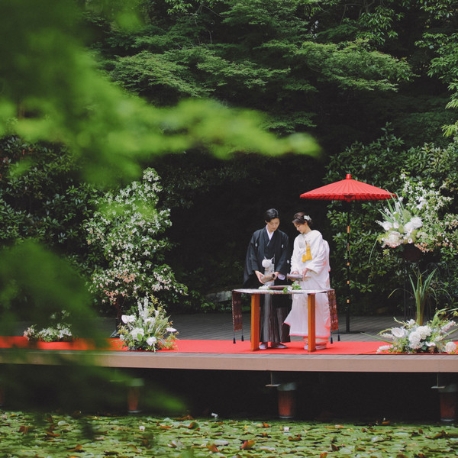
[[418, 217], [147, 327], [400, 224], [128, 247]]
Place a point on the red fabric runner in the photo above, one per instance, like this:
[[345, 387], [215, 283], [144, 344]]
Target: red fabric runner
[[294, 348], [201, 346]]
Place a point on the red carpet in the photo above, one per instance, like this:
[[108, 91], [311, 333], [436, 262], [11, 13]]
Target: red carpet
[[78, 344], [199, 346], [294, 348], [203, 346]]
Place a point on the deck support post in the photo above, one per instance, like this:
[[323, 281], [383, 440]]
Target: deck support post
[[133, 395], [448, 400], [286, 392], [287, 400]]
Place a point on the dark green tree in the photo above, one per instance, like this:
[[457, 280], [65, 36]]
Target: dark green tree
[[292, 60]]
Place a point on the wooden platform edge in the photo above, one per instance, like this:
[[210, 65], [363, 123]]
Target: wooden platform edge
[[421, 363]]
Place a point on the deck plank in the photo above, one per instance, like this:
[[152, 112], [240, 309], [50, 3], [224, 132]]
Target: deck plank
[[219, 327]]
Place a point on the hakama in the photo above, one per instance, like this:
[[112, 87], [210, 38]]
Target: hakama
[[274, 309]]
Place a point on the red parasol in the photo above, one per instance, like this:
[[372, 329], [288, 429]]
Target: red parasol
[[348, 190]]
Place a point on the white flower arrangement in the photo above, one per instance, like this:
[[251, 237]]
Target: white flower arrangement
[[147, 327], [400, 224], [418, 216], [411, 337], [59, 331]]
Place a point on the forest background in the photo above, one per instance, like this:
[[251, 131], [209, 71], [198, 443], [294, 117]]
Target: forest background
[[237, 91]]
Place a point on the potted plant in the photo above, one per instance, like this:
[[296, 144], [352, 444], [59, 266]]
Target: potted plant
[[422, 289]]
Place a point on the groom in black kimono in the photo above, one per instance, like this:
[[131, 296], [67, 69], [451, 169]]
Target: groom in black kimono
[[270, 245]]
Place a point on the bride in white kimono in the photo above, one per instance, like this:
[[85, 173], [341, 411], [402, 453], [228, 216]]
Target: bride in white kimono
[[311, 260]]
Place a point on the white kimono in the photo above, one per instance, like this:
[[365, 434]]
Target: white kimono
[[317, 278]]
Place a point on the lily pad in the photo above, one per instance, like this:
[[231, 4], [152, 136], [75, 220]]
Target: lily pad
[[29, 435]]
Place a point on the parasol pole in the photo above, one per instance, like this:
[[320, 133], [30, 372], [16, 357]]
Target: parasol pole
[[349, 199], [348, 265]]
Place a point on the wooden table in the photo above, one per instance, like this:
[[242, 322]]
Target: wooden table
[[256, 312]]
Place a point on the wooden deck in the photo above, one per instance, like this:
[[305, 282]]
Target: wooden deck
[[255, 362], [219, 327], [318, 385]]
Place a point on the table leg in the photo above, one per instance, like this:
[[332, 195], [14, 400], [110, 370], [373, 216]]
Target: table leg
[[255, 319], [311, 322]]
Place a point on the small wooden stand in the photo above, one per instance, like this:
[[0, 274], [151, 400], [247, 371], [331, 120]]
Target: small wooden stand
[[256, 313]]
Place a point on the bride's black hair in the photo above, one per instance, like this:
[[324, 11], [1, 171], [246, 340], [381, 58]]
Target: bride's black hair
[[302, 218]]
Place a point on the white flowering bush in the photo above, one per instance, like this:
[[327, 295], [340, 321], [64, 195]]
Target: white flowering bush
[[58, 331], [418, 217], [147, 327], [127, 245], [410, 337]]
